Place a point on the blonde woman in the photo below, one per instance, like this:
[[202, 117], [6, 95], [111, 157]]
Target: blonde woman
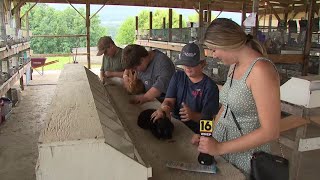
[[249, 98]]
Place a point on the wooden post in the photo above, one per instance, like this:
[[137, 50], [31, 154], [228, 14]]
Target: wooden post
[[270, 23], [137, 27], [88, 32], [27, 25], [255, 9], [150, 24], [307, 46], [200, 35], [209, 14], [205, 18], [18, 20], [243, 14], [163, 23], [180, 21], [170, 25], [3, 28]]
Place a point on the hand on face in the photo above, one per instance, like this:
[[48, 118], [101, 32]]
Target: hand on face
[[185, 113]]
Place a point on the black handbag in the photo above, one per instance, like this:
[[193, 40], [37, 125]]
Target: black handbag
[[267, 166], [264, 166]]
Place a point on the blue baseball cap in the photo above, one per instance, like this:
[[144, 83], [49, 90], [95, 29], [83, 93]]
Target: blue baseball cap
[[191, 55]]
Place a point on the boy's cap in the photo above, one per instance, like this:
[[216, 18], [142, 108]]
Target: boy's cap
[[103, 43], [191, 55]]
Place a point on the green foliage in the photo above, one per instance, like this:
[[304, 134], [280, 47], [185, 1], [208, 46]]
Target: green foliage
[[126, 32], [45, 20]]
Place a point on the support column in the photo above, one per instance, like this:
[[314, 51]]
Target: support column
[[3, 27], [270, 23], [88, 32], [243, 14], [150, 24], [17, 19], [205, 14], [137, 27], [255, 8], [164, 23], [200, 30], [170, 26], [180, 21], [308, 39], [27, 26], [209, 14]]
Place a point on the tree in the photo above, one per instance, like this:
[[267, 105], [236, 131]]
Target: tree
[[45, 20], [126, 32]]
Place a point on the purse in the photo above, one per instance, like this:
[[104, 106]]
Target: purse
[[265, 166]]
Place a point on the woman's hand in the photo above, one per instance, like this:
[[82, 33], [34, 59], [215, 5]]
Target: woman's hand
[[195, 139], [209, 145]]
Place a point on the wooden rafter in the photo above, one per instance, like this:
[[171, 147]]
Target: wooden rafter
[[29, 9], [274, 12], [18, 6]]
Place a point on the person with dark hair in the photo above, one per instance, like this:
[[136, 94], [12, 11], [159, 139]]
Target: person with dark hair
[[191, 95], [250, 114], [153, 68], [112, 64]]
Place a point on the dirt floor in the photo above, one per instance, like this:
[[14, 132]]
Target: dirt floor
[[19, 134]]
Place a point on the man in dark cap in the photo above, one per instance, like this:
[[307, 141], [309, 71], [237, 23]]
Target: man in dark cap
[[191, 95], [112, 64]]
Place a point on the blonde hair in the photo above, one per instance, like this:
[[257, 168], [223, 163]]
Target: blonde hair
[[225, 34]]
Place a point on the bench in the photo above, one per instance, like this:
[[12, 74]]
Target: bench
[[84, 137]]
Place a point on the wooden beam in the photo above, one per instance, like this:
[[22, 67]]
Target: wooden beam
[[59, 55], [99, 10], [287, 58], [18, 6], [274, 12], [88, 32], [30, 9], [59, 36], [307, 46], [77, 9], [164, 23]]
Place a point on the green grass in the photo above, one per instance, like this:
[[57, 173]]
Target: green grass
[[62, 61]]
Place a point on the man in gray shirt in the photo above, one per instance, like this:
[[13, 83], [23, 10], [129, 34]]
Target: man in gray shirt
[[112, 64], [153, 68]]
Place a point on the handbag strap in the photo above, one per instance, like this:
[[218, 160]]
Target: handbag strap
[[233, 116]]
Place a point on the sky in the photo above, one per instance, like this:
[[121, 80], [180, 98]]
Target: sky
[[112, 14]]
